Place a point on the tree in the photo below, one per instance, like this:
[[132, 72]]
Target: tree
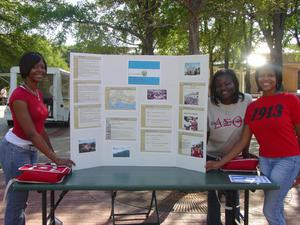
[[18, 19], [293, 24], [250, 34], [271, 17], [13, 23], [125, 22], [194, 8], [248, 37]]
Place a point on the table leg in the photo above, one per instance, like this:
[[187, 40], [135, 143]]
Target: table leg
[[52, 209], [112, 212], [246, 207], [54, 205], [153, 203], [44, 207]]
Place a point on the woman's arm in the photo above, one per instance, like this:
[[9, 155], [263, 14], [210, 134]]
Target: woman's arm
[[24, 119], [297, 129], [237, 149], [245, 151], [47, 139]]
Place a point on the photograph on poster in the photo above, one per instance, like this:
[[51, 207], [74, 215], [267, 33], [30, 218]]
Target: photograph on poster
[[121, 151], [121, 129], [197, 150], [156, 140], [87, 116], [190, 122], [191, 119], [120, 98], [190, 93], [88, 68], [156, 116], [85, 93], [157, 94], [191, 97], [190, 145], [192, 69], [144, 72], [88, 145]]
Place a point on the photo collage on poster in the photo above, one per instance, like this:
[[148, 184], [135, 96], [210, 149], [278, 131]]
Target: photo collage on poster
[[192, 114]]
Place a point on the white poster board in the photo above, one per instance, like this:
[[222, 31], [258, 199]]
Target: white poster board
[[131, 110]]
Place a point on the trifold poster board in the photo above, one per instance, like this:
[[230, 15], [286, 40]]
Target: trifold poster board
[[129, 110]]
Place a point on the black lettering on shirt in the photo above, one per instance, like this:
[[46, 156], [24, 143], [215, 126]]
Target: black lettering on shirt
[[267, 112]]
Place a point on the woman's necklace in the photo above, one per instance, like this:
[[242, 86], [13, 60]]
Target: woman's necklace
[[35, 92]]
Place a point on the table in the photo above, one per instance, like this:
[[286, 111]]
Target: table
[[133, 178]]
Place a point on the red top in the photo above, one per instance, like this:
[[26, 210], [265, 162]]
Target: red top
[[272, 120], [36, 108]]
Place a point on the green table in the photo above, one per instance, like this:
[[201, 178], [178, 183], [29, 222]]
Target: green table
[[133, 178]]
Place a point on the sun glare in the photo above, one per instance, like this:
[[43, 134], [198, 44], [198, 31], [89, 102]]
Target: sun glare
[[256, 60]]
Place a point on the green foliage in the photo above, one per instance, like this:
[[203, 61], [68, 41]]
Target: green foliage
[[174, 40], [18, 20], [14, 50], [174, 43], [228, 29], [94, 47], [131, 23], [293, 25]]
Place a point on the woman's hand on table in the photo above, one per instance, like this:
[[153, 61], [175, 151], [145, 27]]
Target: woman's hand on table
[[212, 165], [65, 162]]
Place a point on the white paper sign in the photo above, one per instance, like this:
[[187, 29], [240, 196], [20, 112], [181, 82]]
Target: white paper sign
[[130, 110]]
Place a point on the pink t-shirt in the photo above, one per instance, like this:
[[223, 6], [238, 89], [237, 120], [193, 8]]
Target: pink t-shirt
[[272, 120], [36, 108]]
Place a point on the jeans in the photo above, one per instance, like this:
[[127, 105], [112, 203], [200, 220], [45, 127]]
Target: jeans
[[282, 171], [12, 157], [214, 208]]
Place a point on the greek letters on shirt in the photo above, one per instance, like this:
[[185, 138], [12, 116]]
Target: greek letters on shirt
[[227, 122], [267, 112]]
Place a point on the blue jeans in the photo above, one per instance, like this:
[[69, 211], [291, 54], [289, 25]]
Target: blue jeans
[[12, 157], [282, 171]]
